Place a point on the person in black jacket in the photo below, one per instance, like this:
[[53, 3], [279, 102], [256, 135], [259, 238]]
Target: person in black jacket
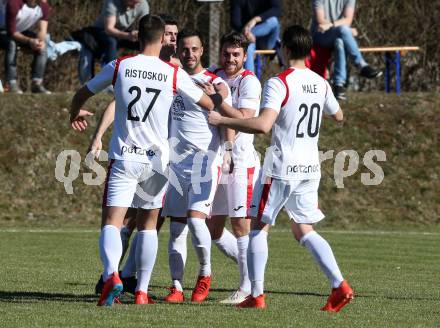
[[259, 21]]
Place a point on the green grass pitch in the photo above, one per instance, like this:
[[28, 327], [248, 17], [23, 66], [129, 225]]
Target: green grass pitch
[[47, 280]]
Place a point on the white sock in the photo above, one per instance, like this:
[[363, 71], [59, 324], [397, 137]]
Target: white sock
[[227, 244], [110, 249], [257, 258], [201, 239], [177, 251], [323, 255], [242, 245], [146, 251], [125, 238], [130, 265]]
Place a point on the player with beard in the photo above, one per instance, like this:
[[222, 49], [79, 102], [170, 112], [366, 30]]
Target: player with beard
[[233, 197], [194, 173]]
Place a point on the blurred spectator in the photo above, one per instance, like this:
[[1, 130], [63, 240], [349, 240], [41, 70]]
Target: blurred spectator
[[25, 26], [114, 28], [331, 28], [258, 21]]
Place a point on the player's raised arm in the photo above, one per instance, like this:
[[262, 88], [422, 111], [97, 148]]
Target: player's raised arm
[[77, 115], [101, 81]]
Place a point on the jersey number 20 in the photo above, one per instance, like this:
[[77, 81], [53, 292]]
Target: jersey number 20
[[304, 109], [138, 92]]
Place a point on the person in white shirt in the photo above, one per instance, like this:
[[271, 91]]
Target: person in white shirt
[[234, 194], [144, 90], [194, 173], [292, 106]]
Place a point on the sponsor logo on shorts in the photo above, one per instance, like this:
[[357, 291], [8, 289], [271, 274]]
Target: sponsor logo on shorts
[[238, 208], [302, 168], [138, 151], [208, 204]]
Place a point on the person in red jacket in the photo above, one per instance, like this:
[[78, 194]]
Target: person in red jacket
[[25, 26]]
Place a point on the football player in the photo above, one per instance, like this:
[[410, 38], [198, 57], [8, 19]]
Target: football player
[[293, 104], [144, 90]]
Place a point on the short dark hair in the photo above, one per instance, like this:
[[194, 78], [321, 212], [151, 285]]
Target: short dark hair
[[187, 33], [235, 39], [168, 19], [151, 29], [298, 40]]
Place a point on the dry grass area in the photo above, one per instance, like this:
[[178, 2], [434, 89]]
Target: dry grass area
[[34, 131]]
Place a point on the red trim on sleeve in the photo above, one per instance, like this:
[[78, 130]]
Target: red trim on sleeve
[[282, 76], [211, 75], [264, 198], [243, 75], [176, 68], [118, 62]]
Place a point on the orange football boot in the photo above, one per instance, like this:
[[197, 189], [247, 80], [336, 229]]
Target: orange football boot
[[111, 290], [253, 302], [175, 296], [339, 297], [201, 290], [142, 298]]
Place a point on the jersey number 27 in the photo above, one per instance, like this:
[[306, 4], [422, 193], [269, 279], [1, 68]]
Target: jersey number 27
[[137, 90]]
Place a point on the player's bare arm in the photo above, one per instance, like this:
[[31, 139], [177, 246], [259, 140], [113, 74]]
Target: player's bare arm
[[77, 114], [225, 108], [106, 120], [261, 124]]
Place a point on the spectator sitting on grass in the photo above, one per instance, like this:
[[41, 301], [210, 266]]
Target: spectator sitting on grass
[[331, 28], [25, 26]]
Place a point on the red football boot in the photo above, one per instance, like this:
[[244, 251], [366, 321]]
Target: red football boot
[[142, 298], [339, 298], [111, 290], [175, 296], [201, 290], [253, 302]]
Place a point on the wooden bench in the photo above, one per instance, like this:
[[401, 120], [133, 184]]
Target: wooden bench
[[398, 52], [392, 58]]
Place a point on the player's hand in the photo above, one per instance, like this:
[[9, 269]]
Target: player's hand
[[221, 89], [95, 147], [214, 118], [79, 122], [207, 88]]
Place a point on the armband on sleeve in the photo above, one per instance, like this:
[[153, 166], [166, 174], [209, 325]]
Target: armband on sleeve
[[216, 99]]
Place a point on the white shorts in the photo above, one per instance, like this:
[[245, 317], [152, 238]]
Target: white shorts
[[299, 198], [234, 193], [187, 191], [134, 184]]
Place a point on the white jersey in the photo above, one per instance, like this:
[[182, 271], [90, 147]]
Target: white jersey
[[246, 93], [144, 90], [189, 126], [299, 96]]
